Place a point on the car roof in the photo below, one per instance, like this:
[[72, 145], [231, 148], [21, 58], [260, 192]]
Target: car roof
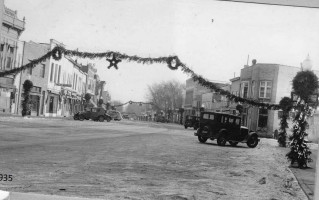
[[221, 113]]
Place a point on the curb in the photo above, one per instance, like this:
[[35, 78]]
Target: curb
[[300, 184], [4, 195]]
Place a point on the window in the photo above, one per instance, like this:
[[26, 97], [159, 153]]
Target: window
[[237, 121], [212, 117], [265, 89], [244, 117], [11, 50], [262, 117], [42, 70], [59, 74], [29, 70], [244, 89], [205, 116], [56, 73], [52, 71], [1, 47], [231, 120], [9, 60]]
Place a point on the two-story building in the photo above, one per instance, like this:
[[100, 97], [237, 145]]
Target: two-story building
[[11, 29], [38, 75], [267, 83]]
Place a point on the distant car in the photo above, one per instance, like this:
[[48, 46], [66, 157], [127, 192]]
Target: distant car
[[191, 121], [116, 115], [225, 128], [96, 114], [161, 119]]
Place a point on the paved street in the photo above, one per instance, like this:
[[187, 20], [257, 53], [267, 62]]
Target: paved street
[[136, 160]]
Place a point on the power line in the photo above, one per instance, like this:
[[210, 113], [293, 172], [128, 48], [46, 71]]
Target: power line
[[292, 3]]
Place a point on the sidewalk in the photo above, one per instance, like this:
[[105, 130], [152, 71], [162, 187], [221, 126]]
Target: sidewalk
[[33, 196], [10, 115], [306, 177]]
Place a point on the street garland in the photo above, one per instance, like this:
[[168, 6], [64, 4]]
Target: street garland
[[135, 102], [173, 62]]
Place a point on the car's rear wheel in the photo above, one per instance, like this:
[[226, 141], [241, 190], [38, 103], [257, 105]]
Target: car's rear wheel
[[101, 118], [81, 117], [202, 139], [221, 140], [76, 117], [233, 144], [252, 141]]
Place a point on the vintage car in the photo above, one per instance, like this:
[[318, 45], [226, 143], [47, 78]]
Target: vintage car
[[191, 121], [225, 128], [116, 115], [96, 114]]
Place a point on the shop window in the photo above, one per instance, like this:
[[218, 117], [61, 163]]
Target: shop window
[[262, 118]]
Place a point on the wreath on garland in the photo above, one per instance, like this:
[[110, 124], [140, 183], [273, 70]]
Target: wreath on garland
[[305, 83], [56, 53], [170, 64]]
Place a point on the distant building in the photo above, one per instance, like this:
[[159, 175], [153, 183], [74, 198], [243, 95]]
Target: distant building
[[11, 29], [197, 97]]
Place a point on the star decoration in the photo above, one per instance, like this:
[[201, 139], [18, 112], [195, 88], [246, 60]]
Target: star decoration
[[113, 62]]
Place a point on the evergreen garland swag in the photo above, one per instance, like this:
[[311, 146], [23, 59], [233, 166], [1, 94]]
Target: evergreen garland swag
[[286, 104], [299, 150], [26, 108]]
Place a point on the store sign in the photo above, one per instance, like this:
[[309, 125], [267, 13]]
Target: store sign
[[63, 85]]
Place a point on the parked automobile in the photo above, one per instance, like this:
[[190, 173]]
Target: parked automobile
[[225, 128], [161, 119], [116, 115], [96, 114], [191, 121]]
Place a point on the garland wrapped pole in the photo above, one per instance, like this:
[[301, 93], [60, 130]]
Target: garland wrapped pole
[[286, 104], [27, 85], [305, 84]]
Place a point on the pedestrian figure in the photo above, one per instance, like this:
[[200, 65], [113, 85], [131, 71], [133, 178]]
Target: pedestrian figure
[[276, 134]]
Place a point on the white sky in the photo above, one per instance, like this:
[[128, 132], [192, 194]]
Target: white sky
[[216, 50]]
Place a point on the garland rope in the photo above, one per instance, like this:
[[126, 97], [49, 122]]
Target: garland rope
[[57, 52]]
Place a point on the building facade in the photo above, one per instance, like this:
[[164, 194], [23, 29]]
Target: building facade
[[11, 29], [267, 83], [38, 75]]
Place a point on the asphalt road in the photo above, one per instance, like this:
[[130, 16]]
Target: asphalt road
[[134, 160]]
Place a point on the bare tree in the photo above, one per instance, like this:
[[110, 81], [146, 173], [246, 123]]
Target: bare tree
[[166, 95]]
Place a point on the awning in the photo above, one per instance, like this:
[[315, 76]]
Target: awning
[[9, 86]]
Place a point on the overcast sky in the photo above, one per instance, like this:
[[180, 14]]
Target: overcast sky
[[217, 50]]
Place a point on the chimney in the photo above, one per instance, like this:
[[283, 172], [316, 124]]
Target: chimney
[[254, 61]]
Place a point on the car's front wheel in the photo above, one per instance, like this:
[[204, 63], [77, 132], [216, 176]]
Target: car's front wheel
[[252, 141], [185, 127], [108, 119], [101, 118], [221, 140], [81, 117], [76, 117]]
